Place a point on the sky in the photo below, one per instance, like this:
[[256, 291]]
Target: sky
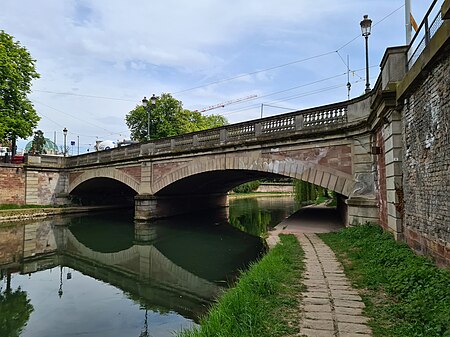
[[98, 59]]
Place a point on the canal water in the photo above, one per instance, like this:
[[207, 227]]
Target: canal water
[[104, 275]]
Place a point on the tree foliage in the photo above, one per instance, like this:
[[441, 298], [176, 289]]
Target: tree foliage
[[306, 192], [168, 118], [38, 144], [248, 187], [250, 217], [15, 310], [17, 70]]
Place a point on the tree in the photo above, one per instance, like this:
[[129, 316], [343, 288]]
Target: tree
[[17, 70], [248, 187], [15, 311], [38, 144], [168, 118]]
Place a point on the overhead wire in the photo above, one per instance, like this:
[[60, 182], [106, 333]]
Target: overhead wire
[[227, 80], [299, 86], [312, 92], [83, 95], [234, 77], [74, 117], [254, 72], [288, 63]]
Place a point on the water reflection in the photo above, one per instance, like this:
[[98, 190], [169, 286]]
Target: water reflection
[[256, 216], [15, 309], [102, 274]]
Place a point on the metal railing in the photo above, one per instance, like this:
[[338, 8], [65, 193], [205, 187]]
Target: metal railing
[[426, 30]]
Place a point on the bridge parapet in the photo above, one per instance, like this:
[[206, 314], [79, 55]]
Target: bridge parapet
[[304, 121], [275, 127]]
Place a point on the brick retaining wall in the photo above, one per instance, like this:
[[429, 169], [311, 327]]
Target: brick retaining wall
[[12, 184], [426, 163]]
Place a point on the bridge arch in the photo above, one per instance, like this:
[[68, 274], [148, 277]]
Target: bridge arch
[[110, 173], [221, 175], [105, 186]]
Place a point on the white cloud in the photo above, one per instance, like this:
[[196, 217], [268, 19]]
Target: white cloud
[[130, 49]]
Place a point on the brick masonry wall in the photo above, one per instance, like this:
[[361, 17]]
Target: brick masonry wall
[[426, 163], [11, 244], [12, 185]]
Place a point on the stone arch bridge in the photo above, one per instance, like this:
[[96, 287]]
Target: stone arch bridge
[[328, 146], [385, 153]]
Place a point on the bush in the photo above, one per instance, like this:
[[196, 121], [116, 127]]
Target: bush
[[247, 187]]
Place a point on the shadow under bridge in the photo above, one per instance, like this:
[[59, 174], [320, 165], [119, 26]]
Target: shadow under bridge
[[196, 192]]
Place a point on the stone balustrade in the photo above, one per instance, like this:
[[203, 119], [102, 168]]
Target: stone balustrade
[[310, 120]]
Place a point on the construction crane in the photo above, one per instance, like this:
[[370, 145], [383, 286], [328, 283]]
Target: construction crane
[[222, 105]]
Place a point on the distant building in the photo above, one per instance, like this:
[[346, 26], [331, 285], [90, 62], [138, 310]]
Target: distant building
[[49, 147]]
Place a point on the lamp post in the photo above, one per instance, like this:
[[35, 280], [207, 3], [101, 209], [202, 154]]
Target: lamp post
[[148, 108], [366, 25], [60, 290], [65, 141]]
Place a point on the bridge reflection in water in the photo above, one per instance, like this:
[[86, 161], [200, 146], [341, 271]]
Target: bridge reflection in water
[[177, 265], [83, 271], [164, 264]]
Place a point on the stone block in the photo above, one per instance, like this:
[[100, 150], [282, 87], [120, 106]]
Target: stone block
[[395, 223], [392, 196], [393, 169], [359, 110], [332, 182], [393, 141], [365, 167], [348, 187], [340, 185], [392, 211], [318, 178], [318, 324], [393, 155], [354, 328], [305, 174], [393, 182], [325, 179]]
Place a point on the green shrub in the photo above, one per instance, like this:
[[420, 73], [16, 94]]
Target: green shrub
[[247, 187]]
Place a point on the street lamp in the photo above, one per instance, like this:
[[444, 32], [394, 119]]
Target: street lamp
[[60, 290], [366, 25], [65, 141], [148, 109]]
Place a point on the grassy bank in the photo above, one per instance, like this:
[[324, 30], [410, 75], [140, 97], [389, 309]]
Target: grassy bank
[[405, 295], [265, 300], [258, 194], [8, 206]]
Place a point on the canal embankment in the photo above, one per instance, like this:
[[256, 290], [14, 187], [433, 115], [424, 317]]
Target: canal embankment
[[19, 214], [355, 281], [265, 300]]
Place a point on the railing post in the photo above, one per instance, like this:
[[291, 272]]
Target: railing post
[[172, 144], [258, 129], [427, 32], [195, 140], [223, 136], [299, 121]]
